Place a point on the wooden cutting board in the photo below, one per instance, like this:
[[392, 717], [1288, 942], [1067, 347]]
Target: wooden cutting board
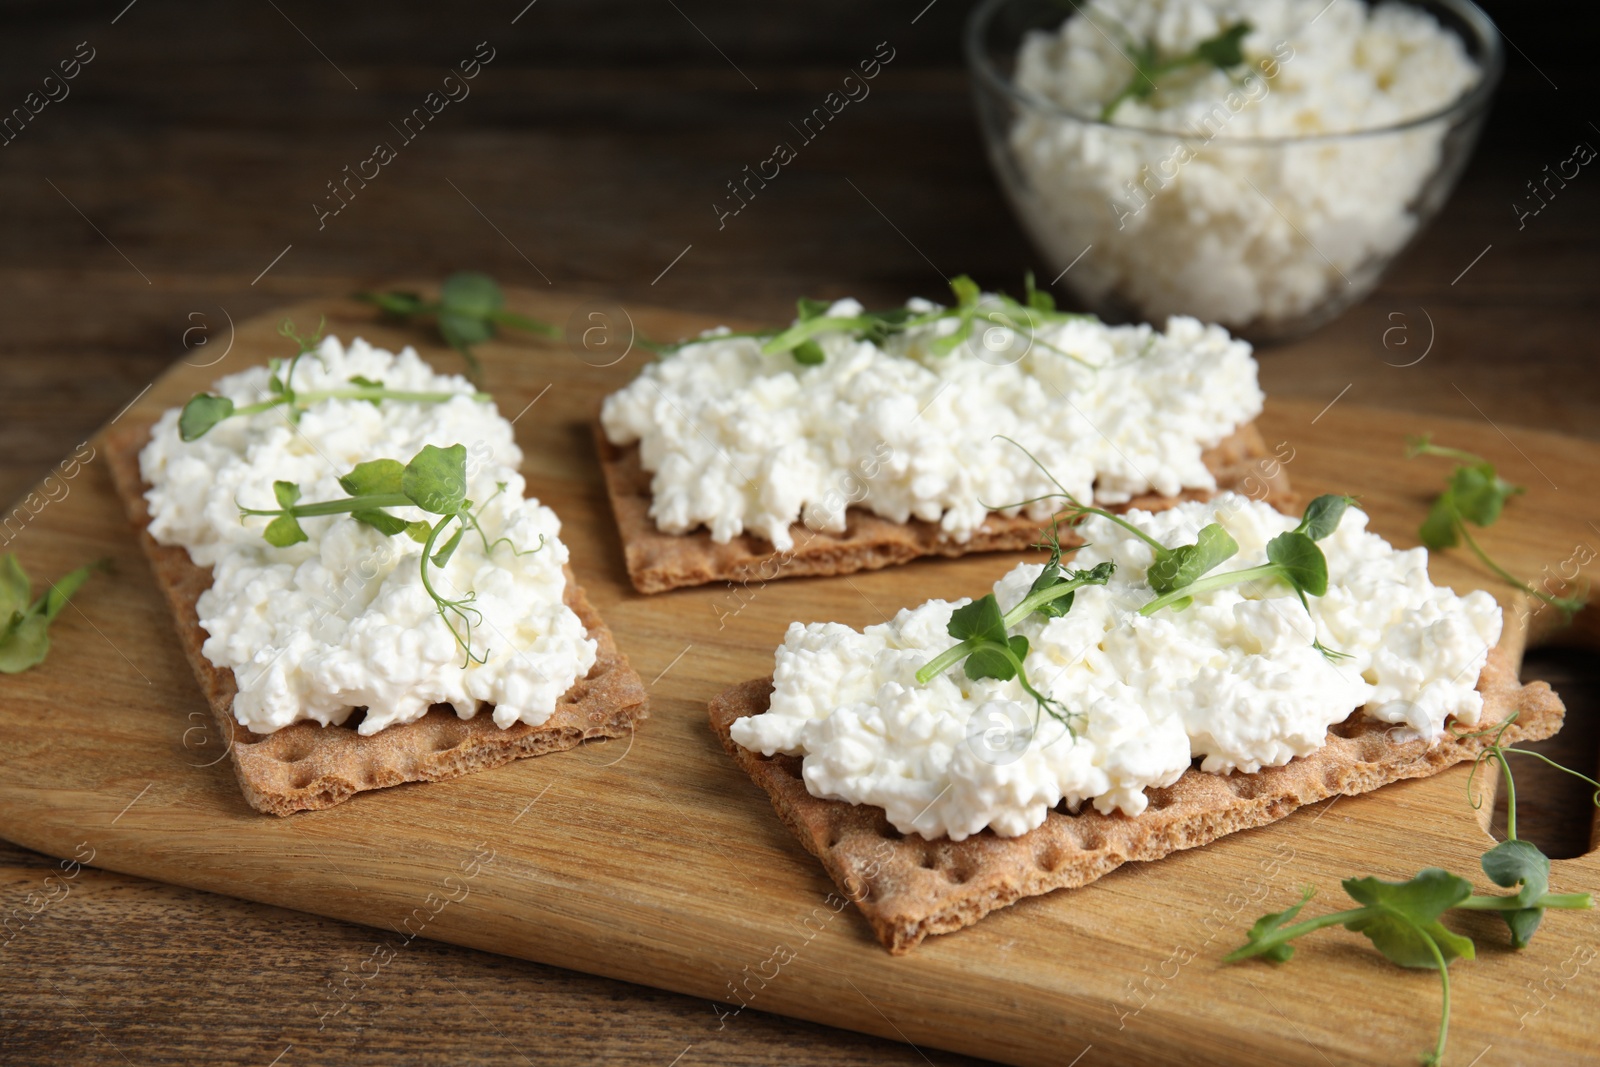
[[654, 860]]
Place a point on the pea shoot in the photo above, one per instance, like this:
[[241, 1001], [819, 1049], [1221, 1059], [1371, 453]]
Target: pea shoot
[[1177, 575], [25, 624], [986, 649], [1475, 493], [1401, 919], [1025, 318], [470, 310], [435, 480], [1222, 51], [205, 410]]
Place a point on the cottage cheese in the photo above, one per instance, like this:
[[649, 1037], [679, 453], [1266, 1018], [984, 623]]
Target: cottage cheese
[[1232, 680], [1185, 208], [341, 621], [738, 440]]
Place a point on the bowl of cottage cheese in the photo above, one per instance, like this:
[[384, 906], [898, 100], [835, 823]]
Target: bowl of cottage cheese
[[1255, 163]]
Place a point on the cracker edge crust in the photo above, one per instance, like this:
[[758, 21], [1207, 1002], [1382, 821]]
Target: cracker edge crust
[[909, 888], [306, 766], [657, 561]]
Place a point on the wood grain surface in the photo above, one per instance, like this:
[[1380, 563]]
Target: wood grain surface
[[659, 863], [147, 205]]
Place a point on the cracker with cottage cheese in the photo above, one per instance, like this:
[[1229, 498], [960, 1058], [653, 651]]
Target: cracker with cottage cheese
[[328, 666], [727, 461], [933, 803]]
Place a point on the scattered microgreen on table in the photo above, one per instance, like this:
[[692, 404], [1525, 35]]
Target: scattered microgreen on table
[[969, 313], [1401, 919], [25, 624], [1222, 51], [1476, 494], [205, 410], [470, 310], [435, 480]]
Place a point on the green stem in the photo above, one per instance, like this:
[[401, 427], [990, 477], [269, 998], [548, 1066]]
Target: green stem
[[1214, 581], [1289, 933], [1493, 902], [945, 660], [339, 507], [1511, 794], [355, 393], [1034, 601], [1568, 605], [1444, 980]]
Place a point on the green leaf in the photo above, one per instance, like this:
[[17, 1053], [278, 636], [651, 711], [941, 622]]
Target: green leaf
[[1479, 493], [1186, 564], [55, 598], [989, 661], [436, 479], [470, 294], [1405, 916], [418, 532], [462, 331], [441, 557], [374, 477], [1323, 514], [1048, 578], [286, 492], [1037, 299], [284, 531], [202, 412], [1226, 48], [14, 586], [402, 304], [24, 644], [881, 325], [980, 620], [1519, 862], [1267, 925], [965, 290], [809, 309], [1301, 561], [368, 383], [382, 521], [809, 353], [1438, 530]]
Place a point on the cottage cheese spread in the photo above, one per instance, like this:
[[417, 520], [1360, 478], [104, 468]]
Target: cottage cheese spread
[[342, 621], [1185, 208], [738, 440], [1232, 680]]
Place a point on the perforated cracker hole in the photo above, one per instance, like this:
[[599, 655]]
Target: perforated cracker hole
[[303, 777], [1161, 798], [294, 749]]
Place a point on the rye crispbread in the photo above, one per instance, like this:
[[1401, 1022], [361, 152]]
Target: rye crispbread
[[306, 766], [909, 887], [658, 561]]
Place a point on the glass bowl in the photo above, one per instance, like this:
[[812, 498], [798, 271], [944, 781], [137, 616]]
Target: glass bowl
[[1271, 237]]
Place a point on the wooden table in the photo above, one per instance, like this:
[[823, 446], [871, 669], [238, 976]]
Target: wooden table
[[173, 190]]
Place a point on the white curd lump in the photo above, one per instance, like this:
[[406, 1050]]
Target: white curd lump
[[341, 620], [1195, 218], [737, 440], [1232, 680]]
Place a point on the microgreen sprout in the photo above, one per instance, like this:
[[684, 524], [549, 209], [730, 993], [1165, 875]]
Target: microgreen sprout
[[1025, 318], [435, 480], [987, 650], [470, 309], [1177, 575], [1401, 919], [205, 410], [1222, 51], [1477, 494], [25, 624]]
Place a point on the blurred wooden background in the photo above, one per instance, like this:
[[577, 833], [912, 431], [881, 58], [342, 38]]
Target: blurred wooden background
[[173, 188]]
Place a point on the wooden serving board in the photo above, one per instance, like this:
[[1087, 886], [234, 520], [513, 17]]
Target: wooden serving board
[[656, 861]]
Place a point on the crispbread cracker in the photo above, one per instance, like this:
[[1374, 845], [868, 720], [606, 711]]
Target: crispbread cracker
[[909, 887], [307, 766], [658, 561]]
